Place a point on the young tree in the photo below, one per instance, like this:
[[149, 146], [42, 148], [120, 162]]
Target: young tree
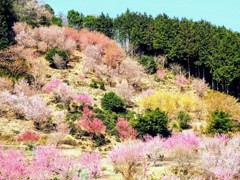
[[90, 123], [124, 130]]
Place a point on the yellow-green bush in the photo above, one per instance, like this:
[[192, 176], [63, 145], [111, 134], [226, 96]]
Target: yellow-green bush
[[171, 103], [216, 101]]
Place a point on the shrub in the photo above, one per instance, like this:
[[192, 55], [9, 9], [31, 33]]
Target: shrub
[[217, 101], [220, 122], [153, 122], [184, 119], [110, 101], [97, 84], [124, 130], [57, 57], [149, 64], [172, 103]]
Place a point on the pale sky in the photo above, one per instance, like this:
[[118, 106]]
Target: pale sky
[[219, 12]]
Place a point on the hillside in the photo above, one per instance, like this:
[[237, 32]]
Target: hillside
[[75, 105]]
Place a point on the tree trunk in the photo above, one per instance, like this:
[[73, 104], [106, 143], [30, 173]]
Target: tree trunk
[[189, 73]]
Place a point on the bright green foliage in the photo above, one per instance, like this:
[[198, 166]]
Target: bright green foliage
[[220, 122], [102, 23], [184, 119], [7, 18], [149, 64], [50, 55], [111, 101], [56, 21], [153, 122], [75, 19]]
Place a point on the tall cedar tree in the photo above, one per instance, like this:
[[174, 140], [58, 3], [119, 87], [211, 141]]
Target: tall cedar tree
[[7, 19]]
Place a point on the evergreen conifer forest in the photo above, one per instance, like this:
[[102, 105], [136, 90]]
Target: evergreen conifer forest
[[134, 97]]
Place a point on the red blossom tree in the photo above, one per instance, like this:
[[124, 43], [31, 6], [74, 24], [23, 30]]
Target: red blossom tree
[[90, 123], [28, 136]]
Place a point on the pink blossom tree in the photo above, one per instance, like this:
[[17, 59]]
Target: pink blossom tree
[[129, 158], [13, 164], [221, 155], [91, 124], [83, 99], [161, 74], [124, 130], [91, 161], [181, 81]]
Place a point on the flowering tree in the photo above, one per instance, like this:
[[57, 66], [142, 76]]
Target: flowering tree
[[32, 108], [62, 91], [221, 155], [28, 136], [161, 74], [92, 162], [181, 81], [129, 158], [148, 92], [154, 147], [13, 164], [124, 130], [183, 148], [91, 124], [200, 87], [83, 98], [125, 91]]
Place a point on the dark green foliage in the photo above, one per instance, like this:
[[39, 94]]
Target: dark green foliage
[[44, 21], [149, 64], [153, 122], [49, 8], [111, 101], [51, 53], [102, 23], [220, 122], [204, 50], [109, 118], [7, 19], [100, 140], [5, 72], [56, 21], [184, 119], [75, 19], [97, 84]]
